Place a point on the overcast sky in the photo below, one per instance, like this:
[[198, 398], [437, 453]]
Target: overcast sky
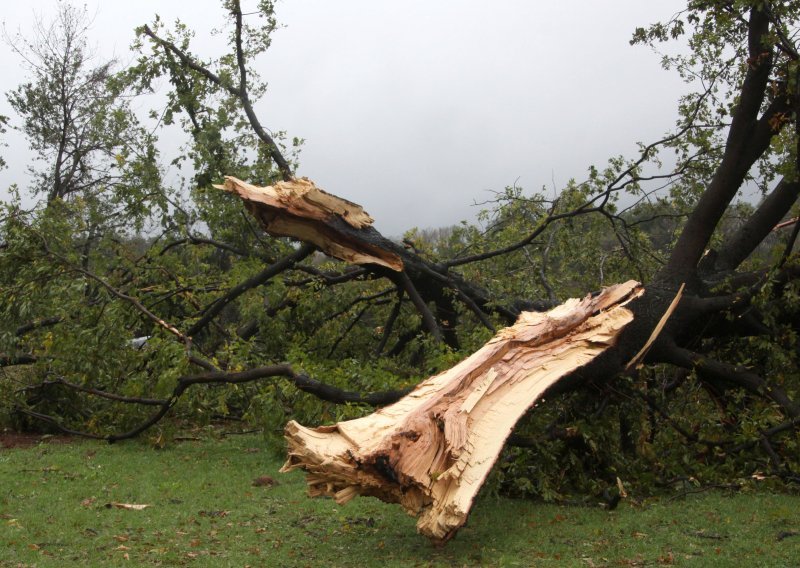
[[418, 109]]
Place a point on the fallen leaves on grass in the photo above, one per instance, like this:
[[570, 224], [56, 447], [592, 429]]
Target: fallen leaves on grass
[[127, 506], [264, 481]]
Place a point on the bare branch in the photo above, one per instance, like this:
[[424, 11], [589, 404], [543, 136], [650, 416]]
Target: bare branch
[[422, 308]]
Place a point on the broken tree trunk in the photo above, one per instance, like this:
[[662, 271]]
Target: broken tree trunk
[[299, 209], [432, 450]]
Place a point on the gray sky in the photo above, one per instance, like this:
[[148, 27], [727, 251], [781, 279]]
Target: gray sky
[[418, 109]]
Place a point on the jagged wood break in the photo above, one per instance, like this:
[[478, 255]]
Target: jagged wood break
[[432, 450], [301, 210]]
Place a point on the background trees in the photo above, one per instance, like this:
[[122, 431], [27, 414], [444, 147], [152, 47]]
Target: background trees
[[261, 321]]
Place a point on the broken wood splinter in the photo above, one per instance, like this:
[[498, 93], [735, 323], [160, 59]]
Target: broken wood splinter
[[432, 450], [299, 209]]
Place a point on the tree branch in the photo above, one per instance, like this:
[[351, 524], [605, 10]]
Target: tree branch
[[387, 329], [741, 244], [747, 139], [203, 241], [304, 383], [422, 308], [239, 92], [244, 97], [253, 282]]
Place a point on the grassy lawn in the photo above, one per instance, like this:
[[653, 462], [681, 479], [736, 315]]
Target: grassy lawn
[[211, 502]]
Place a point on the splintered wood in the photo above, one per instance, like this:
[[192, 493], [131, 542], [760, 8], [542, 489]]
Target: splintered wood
[[301, 210], [432, 450]]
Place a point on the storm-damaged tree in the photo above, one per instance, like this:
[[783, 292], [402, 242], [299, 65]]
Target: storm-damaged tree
[[704, 353]]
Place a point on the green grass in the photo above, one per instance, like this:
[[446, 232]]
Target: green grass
[[205, 511]]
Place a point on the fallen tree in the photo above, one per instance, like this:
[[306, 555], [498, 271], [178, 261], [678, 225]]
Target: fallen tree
[[432, 450], [714, 326]]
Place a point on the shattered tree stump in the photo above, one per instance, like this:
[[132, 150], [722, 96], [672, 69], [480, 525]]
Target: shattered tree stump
[[432, 451]]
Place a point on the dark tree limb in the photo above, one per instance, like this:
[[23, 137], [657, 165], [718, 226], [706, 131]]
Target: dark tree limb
[[302, 382], [14, 360], [787, 252], [731, 374], [467, 296], [387, 328], [748, 137], [239, 91], [427, 316], [244, 97]]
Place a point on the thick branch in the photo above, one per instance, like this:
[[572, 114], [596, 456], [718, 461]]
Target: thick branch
[[244, 97], [758, 226], [747, 140], [343, 230], [239, 92], [422, 308], [302, 382], [387, 329], [14, 360]]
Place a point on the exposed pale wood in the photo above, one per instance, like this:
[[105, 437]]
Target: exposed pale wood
[[432, 450], [299, 209], [636, 362], [787, 223]]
